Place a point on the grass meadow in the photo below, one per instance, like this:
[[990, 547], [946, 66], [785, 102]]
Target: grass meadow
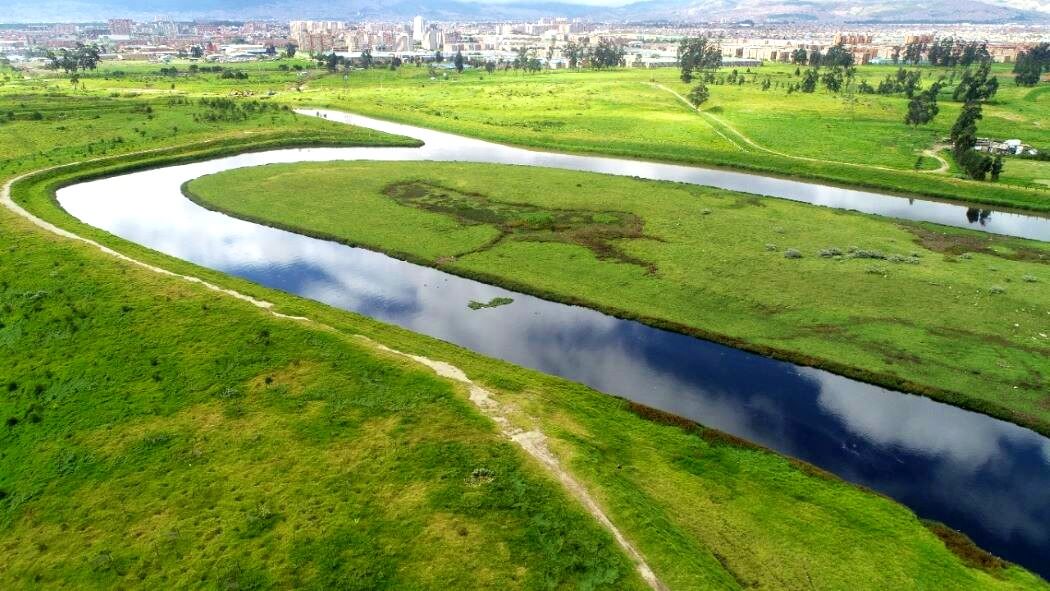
[[957, 314], [158, 434]]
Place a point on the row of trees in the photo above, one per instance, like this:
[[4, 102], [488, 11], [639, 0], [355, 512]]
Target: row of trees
[[948, 52], [975, 90], [1031, 64], [837, 56], [73, 61]]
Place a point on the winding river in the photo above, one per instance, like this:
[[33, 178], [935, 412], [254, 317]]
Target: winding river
[[985, 477]]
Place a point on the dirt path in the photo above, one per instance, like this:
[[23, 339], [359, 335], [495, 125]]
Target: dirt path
[[533, 442], [935, 153], [712, 119]]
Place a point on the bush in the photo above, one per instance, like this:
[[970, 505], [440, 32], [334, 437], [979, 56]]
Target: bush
[[791, 253], [867, 254], [830, 252], [1029, 279], [997, 289]]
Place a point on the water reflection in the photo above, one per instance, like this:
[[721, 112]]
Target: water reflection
[[985, 477], [978, 215]]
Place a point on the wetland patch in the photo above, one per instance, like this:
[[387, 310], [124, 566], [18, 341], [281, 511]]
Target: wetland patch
[[594, 230]]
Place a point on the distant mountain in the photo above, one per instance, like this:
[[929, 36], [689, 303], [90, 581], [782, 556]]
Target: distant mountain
[[887, 11]]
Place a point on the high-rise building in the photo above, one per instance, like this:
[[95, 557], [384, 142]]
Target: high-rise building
[[433, 39], [120, 26], [316, 36], [419, 29]]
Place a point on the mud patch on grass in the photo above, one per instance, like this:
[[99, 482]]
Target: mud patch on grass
[[593, 230], [711, 436], [963, 547], [959, 243]]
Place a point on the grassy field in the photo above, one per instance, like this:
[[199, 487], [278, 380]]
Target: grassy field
[[847, 138], [289, 459], [159, 434], [854, 139], [958, 315]]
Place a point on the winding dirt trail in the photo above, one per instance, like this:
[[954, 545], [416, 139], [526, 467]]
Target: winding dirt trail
[[935, 153], [533, 442], [713, 119]]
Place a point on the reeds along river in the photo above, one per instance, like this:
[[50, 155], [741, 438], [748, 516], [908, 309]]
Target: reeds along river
[[980, 475]]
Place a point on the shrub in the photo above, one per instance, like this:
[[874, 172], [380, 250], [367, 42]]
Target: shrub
[[1029, 279], [860, 253], [830, 252], [771, 247], [996, 289], [791, 253], [903, 259]]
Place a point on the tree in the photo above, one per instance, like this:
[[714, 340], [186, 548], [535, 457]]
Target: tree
[[997, 167], [964, 131], [607, 54], [521, 60], [290, 49], [458, 61], [196, 52], [922, 108], [574, 53], [490, 67], [699, 95], [838, 56], [331, 61], [977, 86], [82, 57], [1031, 64], [832, 80], [914, 51], [809, 80], [438, 56], [815, 58], [698, 54], [366, 58], [271, 50], [800, 57]]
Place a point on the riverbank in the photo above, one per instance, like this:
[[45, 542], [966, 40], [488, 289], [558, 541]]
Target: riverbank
[[704, 262], [573, 112], [730, 516]]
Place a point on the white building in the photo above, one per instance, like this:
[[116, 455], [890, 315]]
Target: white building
[[433, 40], [419, 29]]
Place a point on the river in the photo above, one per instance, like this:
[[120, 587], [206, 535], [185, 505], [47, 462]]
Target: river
[[985, 477]]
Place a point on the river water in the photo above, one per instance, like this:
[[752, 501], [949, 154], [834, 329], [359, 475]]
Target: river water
[[985, 477]]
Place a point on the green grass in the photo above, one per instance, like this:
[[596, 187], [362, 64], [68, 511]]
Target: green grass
[[623, 113], [859, 142], [76, 128], [166, 435], [906, 305], [705, 511], [158, 435]]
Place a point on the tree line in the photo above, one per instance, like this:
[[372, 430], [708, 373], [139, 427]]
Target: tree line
[[1031, 64], [975, 89]]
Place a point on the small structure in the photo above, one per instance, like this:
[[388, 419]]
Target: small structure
[[1005, 147]]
